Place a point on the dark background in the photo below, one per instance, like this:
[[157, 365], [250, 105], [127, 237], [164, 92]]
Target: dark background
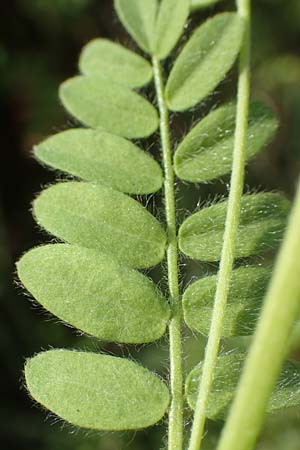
[[39, 46]]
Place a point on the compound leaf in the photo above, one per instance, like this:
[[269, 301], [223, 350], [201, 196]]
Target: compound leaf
[[95, 155], [247, 288], [262, 223], [94, 293], [171, 19], [204, 61], [139, 19], [206, 152], [199, 4], [96, 391], [115, 62], [226, 376], [100, 103], [103, 219]]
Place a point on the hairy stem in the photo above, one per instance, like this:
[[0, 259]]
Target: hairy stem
[[175, 439], [230, 234], [268, 350]]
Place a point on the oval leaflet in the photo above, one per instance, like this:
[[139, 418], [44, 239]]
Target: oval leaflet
[[96, 391], [100, 103], [171, 18], [262, 223], [206, 152], [94, 293], [95, 155], [103, 219], [227, 373], [115, 62], [139, 19], [247, 288], [204, 61]]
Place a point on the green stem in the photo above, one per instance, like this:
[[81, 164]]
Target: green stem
[[175, 439], [230, 234], [268, 350]]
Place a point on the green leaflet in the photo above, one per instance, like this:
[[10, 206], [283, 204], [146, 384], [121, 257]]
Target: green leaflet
[[115, 62], [156, 30], [199, 4], [102, 157], [96, 391], [101, 103], [102, 219], [171, 19], [139, 19], [94, 293], [227, 372], [262, 222], [247, 288], [204, 61], [206, 152]]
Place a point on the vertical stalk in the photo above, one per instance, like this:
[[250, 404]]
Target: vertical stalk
[[175, 437], [268, 349], [230, 234]]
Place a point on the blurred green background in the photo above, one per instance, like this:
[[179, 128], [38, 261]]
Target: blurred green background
[[39, 46]]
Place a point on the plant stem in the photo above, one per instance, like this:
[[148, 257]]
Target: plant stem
[[268, 350], [175, 438], [230, 234]]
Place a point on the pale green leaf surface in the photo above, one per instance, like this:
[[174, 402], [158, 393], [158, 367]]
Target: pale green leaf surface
[[95, 155], [206, 152], [94, 293], [227, 373], [139, 19], [115, 62], [100, 103], [102, 219], [204, 61], [171, 19], [247, 288], [199, 4], [96, 391], [262, 222]]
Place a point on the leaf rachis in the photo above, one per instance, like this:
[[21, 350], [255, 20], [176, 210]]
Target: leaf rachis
[[230, 232], [176, 379]]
